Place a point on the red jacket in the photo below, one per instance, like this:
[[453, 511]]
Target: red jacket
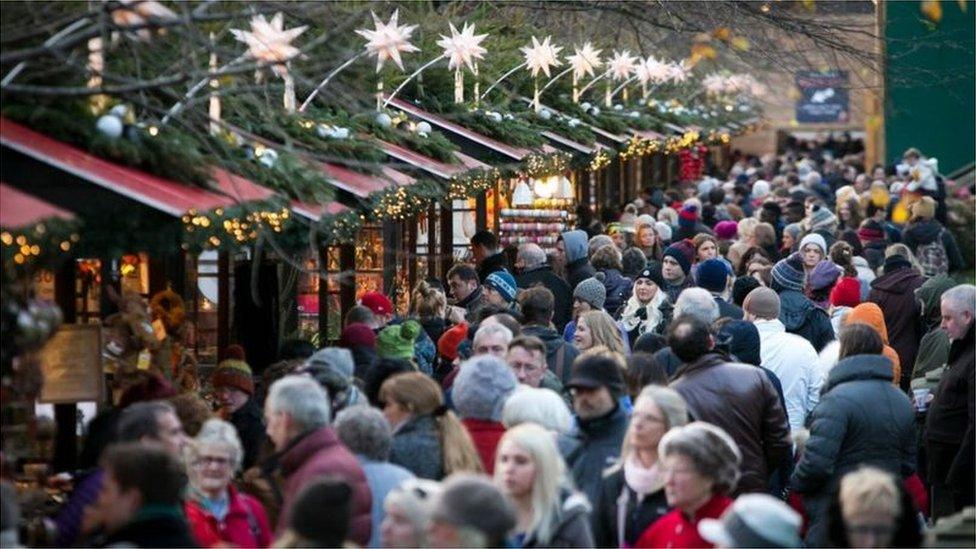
[[320, 454], [246, 524], [486, 435], [676, 530]]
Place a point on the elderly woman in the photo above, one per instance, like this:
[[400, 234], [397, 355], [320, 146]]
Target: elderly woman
[[408, 509], [872, 510], [541, 406], [701, 467], [366, 433], [648, 309], [632, 496], [218, 514], [530, 472]]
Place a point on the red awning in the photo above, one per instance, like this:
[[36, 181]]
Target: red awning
[[430, 165], [161, 194], [361, 184], [19, 209], [315, 211], [515, 153]]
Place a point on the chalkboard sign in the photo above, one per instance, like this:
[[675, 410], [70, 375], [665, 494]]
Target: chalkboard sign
[[72, 365], [823, 97]]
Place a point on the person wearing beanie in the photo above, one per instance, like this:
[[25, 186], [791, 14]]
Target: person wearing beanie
[[689, 223], [448, 350], [820, 281], [813, 248], [797, 312], [572, 249], [676, 268], [874, 240], [819, 218], [664, 231], [596, 383], [933, 244], [360, 339], [726, 230], [478, 393], [741, 288], [648, 308], [608, 261], [933, 349], [470, 512], [844, 296], [233, 385], [894, 292], [397, 341], [380, 306], [715, 275], [590, 295], [500, 288], [791, 357], [333, 368]]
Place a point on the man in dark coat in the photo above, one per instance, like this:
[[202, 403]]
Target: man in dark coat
[[572, 249], [534, 271], [845, 433], [715, 275], [487, 256], [234, 388], [537, 313], [949, 425], [924, 230], [596, 385], [141, 499], [712, 386], [894, 292], [465, 287], [796, 311]]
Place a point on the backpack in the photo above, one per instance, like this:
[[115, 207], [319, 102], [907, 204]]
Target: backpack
[[932, 257]]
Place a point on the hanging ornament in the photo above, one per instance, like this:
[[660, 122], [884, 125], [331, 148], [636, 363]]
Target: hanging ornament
[[387, 40], [110, 126], [269, 42], [540, 57], [423, 127], [584, 62], [384, 120]]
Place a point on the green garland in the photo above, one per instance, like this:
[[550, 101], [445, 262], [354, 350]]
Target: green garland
[[435, 145], [472, 183], [340, 228], [41, 245], [291, 176], [404, 201], [164, 152]]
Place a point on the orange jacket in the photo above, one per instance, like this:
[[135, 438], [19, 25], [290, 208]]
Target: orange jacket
[[870, 314]]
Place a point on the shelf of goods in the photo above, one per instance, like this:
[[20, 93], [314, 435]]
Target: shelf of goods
[[541, 223]]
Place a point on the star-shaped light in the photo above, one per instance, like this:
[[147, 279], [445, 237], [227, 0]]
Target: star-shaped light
[[462, 48], [269, 42], [387, 40], [714, 84], [653, 70], [585, 61], [622, 65], [132, 13], [541, 56], [679, 71]]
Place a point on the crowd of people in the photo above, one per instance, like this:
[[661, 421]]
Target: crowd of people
[[776, 360]]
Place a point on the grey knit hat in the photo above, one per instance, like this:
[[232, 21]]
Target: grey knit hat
[[473, 501], [592, 291], [332, 367], [481, 387]]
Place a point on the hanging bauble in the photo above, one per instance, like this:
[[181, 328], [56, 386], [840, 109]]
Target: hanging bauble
[[494, 116], [424, 127], [133, 133], [545, 114], [522, 196], [384, 120], [573, 122], [509, 116], [595, 111], [268, 158], [618, 107], [585, 105], [340, 133], [248, 152], [634, 114], [120, 110], [323, 130], [110, 126]]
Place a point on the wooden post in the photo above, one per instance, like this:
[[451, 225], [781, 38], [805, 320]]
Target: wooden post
[[323, 294], [446, 256], [65, 415]]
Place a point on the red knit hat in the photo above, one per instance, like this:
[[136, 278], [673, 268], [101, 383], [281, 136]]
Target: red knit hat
[[448, 344], [377, 302], [357, 334], [233, 373], [846, 293], [235, 351]]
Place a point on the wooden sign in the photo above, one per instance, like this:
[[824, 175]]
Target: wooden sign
[[72, 365]]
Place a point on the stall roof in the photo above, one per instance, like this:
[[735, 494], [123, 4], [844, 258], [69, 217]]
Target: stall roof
[[430, 165], [315, 211], [361, 184], [19, 209], [515, 153], [166, 196], [597, 130]]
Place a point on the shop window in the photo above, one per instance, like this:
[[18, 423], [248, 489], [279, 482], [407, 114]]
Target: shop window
[[88, 291], [201, 299]]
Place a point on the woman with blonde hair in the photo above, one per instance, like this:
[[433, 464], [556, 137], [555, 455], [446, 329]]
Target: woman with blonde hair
[[595, 328], [632, 493], [428, 439], [531, 473], [648, 239], [429, 304]]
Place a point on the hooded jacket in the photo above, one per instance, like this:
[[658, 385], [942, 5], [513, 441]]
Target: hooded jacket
[[894, 292], [919, 233], [572, 526], [619, 289], [803, 318], [870, 314], [793, 360], [740, 399], [578, 267], [597, 446], [865, 274]]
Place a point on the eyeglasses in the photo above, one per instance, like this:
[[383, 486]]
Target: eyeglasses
[[202, 461]]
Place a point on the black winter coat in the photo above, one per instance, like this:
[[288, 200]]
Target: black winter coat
[[597, 446], [573, 526], [950, 417], [619, 289], [638, 515], [152, 527], [561, 292], [894, 292], [803, 318], [249, 422]]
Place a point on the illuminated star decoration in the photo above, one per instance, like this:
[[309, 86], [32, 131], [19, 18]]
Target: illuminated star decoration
[[714, 84], [653, 70], [622, 65], [679, 71], [462, 48], [131, 13], [268, 42], [387, 40], [541, 56], [585, 61]]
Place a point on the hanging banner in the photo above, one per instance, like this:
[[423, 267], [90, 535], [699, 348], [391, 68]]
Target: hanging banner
[[823, 98]]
